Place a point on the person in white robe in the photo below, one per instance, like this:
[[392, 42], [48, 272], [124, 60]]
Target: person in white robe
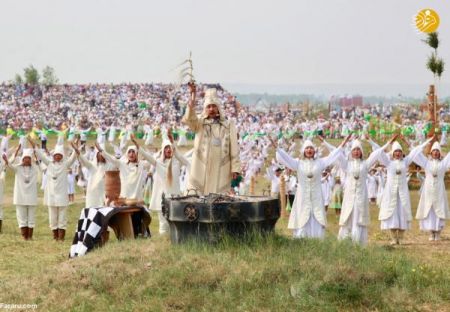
[[308, 216], [25, 192], [395, 209], [381, 181], [432, 210], [326, 187], [55, 192], [71, 186], [273, 175], [4, 151], [132, 171], [372, 186], [95, 189], [354, 219], [167, 178]]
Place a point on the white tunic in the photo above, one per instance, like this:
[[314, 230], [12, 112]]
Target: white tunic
[[160, 184], [355, 189], [433, 195], [25, 184], [308, 198], [132, 176], [55, 192], [395, 199], [95, 191], [275, 181], [371, 186]]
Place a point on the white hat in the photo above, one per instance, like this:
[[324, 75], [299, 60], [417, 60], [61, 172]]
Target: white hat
[[357, 144], [306, 144], [59, 149], [132, 147], [27, 152], [436, 146], [211, 97], [396, 147], [165, 143]]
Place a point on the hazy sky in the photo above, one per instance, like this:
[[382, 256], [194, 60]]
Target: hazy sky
[[234, 41]]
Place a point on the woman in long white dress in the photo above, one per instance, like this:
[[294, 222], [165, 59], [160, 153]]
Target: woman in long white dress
[[354, 218], [166, 178], [308, 216], [433, 205], [395, 209]]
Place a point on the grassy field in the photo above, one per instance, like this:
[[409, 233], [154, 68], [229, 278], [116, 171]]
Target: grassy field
[[275, 273]]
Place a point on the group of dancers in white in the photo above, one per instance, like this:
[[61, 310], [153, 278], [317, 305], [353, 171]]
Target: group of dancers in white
[[308, 215]]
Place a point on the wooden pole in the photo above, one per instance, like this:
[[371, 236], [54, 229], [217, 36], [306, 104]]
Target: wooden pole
[[251, 189], [432, 116]]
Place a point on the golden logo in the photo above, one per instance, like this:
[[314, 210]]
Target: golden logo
[[427, 20]]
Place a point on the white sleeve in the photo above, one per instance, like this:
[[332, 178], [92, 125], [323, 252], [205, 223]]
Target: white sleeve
[[286, 159]]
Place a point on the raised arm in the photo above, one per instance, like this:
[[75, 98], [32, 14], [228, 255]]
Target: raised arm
[[335, 154], [446, 161], [148, 156], [85, 162], [108, 157], [5, 162], [380, 155], [190, 117], [415, 151], [286, 159], [181, 158], [42, 157], [71, 159]]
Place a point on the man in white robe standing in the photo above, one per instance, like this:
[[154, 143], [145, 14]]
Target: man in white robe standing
[[56, 189], [25, 192], [215, 160]]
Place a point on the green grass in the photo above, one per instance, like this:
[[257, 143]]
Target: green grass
[[274, 273]]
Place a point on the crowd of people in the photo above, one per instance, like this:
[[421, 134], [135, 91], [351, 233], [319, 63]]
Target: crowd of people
[[232, 146]]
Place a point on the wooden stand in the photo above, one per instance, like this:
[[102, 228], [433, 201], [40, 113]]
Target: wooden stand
[[122, 223]]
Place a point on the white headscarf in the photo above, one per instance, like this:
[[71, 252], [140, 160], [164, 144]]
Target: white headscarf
[[436, 146], [307, 143], [357, 144], [396, 147]]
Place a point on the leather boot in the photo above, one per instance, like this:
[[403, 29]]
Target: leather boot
[[55, 234], [24, 232], [1, 221], [30, 233], [61, 234]]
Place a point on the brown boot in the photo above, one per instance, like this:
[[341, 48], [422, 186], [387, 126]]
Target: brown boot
[[55, 234], [61, 234], [24, 232], [30, 233]]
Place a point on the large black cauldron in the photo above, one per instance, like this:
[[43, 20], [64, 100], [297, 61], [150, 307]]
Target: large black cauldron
[[209, 217]]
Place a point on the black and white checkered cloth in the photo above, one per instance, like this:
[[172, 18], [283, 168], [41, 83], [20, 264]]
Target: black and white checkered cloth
[[92, 223]]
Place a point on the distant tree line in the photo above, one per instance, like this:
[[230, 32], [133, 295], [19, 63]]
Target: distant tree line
[[32, 76]]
